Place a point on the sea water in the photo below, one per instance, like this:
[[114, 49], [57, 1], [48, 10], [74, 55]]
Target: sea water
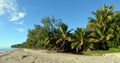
[[3, 49]]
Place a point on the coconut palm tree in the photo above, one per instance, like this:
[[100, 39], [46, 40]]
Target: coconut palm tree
[[115, 25], [101, 36], [80, 42], [64, 38], [102, 17], [60, 39], [100, 26]]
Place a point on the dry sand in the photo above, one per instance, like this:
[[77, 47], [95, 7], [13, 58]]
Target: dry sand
[[43, 56]]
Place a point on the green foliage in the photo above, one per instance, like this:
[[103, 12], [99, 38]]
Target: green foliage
[[102, 33], [79, 42], [101, 52], [103, 28], [60, 38]]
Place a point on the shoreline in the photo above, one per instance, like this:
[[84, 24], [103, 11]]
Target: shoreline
[[4, 49], [44, 56]]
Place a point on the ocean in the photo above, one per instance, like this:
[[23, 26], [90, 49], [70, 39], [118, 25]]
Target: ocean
[[3, 49]]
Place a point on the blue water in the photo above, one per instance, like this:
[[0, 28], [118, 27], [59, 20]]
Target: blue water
[[3, 49]]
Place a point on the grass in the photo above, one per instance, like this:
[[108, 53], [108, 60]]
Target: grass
[[101, 52]]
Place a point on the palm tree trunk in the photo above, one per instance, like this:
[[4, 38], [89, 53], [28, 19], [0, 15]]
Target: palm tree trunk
[[104, 46]]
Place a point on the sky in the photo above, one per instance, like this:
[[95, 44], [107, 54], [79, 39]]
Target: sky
[[18, 16]]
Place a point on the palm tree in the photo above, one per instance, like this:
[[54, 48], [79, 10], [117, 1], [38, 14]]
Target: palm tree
[[60, 39], [64, 38], [101, 36], [115, 25], [50, 41], [80, 41], [103, 16], [100, 26]]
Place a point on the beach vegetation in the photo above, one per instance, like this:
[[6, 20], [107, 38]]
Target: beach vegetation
[[102, 34]]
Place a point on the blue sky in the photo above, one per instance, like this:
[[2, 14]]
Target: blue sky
[[17, 16]]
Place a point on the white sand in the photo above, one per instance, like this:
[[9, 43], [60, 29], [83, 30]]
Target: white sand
[[43, 56]]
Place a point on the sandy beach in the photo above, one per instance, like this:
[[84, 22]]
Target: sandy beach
[[43, 56]]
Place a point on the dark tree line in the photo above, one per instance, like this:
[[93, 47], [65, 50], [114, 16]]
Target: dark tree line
[[101, 33]]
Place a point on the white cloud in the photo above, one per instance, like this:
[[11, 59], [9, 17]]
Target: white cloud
[[10, 8], [17, 16], [20, 29]]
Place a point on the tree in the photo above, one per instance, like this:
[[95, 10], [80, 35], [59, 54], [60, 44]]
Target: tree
[[115, 25], [64, 38], [100, 36], [60, 39], [99, 27], [80, 42], [103, 16], [35, 37]]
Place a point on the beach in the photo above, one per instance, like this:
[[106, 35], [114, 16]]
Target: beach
[[44, 56]]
